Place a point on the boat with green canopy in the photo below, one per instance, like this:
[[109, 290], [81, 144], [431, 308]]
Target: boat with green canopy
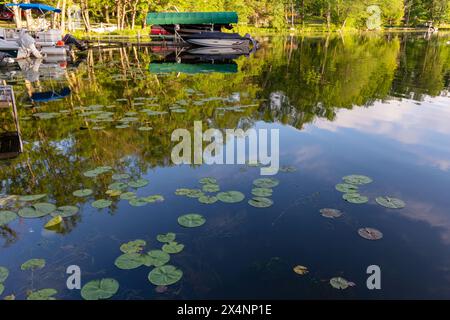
[[199, 28]]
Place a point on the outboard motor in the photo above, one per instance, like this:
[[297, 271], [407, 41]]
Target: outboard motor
[[71, 40]]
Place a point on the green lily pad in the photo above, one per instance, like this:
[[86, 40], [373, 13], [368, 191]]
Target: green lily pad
[[330, 213], [165, 275], [32, 197], [156, 258], [154, 198], [133, 246], [7, 217], [357, 179], [210, 188], [120, 176], [129, 261], [355, 198], [260, 202], [191, 220], [347, 188], [91, 173], [100, 289], [122, 126], [231, 196], [195, 193], [4, 273], [266, 182], [173, 247], [101, 204], [66, 211], [208, 181], [182, 192], [165, 238], [44, 294], [82, 193], [391, 203], [33, 264], [113, 193], [145, 128], [207, 200], [288, 169], [128, 196], [137, 202], [138, 183], [37, 210], [339, 283], [2, 288], [370, 233], [262, 192], [121, 186]]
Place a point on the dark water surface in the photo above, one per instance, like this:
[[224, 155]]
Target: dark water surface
[[372, 105]]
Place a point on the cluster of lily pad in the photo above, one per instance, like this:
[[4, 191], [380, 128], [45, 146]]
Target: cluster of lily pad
[[32, 206], [262, 191]]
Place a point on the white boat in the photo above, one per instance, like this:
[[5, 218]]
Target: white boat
[[220, 43]]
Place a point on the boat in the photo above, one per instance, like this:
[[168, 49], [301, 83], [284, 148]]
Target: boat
[[203, 29], [37, 41]]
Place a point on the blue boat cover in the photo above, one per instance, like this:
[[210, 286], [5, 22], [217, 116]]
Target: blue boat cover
[[37, 6], [50, 95]]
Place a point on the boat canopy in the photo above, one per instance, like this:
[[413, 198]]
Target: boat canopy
[[170, 18], [162, 68], [36, 6]]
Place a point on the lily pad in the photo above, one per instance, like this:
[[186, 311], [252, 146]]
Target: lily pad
[[195, 193], [66, 211], [4, 273], [207, 200], [355, 198], [133, 246], [120, 176], [100, 289], [101, 204], [165, 238], [266, 182], [121, 186], [231, 196], [370, 233], [33, 264], [2, 288], [208, 181], [210, 188], [137, 202], [129, 261], [173, 247], [37, 210], [138, 183], [113, 193], [82, 193], [339, 283], [262, 192], [156, 258], [347, 188], [301, 270], [7, 217], [182, 192], [128, 196], [145, 128], [260, 202], [192, 220], [53, 222], [44, 294], [32, 197], [154, 198], [288, 169], [165, 275], [357, 179], [330, 213], [391, 203]]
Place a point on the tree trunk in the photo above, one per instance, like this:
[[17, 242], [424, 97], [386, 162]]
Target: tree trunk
[[329, 16], [17, 16], [63, 16], [133, 14], [107, 14], [85, 15]]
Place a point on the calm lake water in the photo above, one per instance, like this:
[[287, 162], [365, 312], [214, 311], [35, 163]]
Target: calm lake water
[[374, 105]]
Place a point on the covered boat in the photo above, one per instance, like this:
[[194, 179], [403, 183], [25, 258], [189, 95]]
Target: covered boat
[[200, 28]]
